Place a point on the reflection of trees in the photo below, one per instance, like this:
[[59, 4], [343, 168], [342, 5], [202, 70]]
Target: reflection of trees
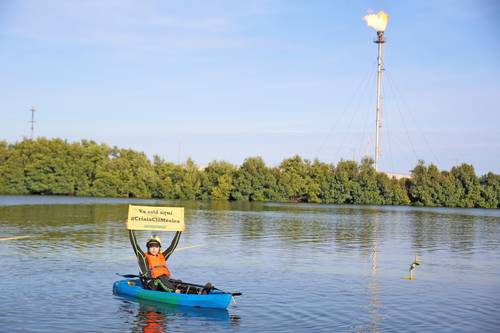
[[430, 230], [306, 230], [357, 230], [219, 217], [212, 223], [68, 225], [350, 227], [425, 230], [252, 226], [92, 225], [462, 233]]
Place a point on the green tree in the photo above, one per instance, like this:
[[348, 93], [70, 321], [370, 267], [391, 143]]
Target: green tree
[[217, 182], [254, 181], [393, 191], [468, 185], [293, 178], [164, 187], [490, 184], [46, 166], [12, 178], [187, 180], [450, 191], [322, 179], [125, 174], [367, 191], [425, 187], [89, 157], [54, 166], [345, 186]]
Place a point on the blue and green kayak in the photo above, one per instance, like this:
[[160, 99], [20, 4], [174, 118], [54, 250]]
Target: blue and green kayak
[[217, 299]]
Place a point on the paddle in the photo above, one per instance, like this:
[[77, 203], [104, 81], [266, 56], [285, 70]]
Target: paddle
[[128, 276]]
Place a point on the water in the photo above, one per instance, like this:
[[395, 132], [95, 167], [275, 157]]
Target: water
[[301, 268]]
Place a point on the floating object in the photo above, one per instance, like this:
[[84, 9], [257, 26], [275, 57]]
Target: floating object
[[14, 238], [413, 265], [216, 298]]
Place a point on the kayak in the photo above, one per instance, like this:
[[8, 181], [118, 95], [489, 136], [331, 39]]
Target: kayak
[[217, 299]]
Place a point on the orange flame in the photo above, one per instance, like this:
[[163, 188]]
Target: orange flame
[[377, 21]]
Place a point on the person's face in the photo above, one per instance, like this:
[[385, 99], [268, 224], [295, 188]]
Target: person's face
[[154, 249]]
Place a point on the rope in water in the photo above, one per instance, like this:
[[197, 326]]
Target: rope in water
[[14, 238]]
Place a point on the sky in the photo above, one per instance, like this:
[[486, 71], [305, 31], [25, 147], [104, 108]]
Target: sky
[[228, 80]]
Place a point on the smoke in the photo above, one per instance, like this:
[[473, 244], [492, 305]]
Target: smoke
[[377, 21]]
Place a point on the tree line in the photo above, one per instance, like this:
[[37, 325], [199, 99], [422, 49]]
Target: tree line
[[86, 168]]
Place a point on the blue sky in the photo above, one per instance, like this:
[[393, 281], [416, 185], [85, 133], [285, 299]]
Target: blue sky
[[227, 80]]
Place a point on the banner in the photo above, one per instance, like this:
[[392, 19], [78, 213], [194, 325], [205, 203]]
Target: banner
[[155, 218]]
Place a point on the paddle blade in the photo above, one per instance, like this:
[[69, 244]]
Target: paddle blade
[[128, 276]]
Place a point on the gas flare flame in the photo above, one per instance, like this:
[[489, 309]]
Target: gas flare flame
[[377, 21]]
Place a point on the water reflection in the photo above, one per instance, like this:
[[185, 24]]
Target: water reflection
[[346, 228], [252, 226], [151, 317], [373, 284], [462, 234], [432, 231], [358, 231], [151, 321]]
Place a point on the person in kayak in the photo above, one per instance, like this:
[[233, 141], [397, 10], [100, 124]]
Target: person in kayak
[[153, 264]]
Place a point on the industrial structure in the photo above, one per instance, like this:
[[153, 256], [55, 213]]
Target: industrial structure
[[378, 22]]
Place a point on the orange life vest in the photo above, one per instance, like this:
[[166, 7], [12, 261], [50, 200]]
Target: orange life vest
[[157, 265]]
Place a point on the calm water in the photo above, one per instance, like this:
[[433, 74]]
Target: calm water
[[301, 268]]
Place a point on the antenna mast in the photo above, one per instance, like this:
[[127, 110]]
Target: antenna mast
[[32, 122]]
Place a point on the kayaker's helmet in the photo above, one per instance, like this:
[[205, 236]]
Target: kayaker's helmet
[[153, 240]]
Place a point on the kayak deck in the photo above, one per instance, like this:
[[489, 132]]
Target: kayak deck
[[133, 288]]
